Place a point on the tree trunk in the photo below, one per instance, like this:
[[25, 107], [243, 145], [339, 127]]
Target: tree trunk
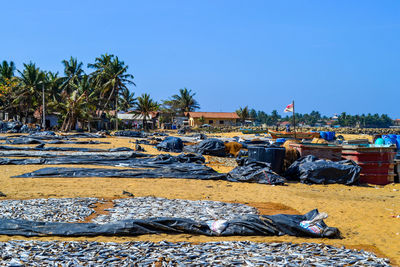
[[116, 110]]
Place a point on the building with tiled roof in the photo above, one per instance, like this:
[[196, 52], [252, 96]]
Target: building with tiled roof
[[216, 119]]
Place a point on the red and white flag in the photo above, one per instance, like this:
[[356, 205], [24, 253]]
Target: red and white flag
[[289, 108]]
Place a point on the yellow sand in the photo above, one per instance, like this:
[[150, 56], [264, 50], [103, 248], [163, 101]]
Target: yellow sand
[[362, 213]]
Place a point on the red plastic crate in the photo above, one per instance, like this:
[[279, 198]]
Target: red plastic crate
[[378, 179], [377, 163], [376, 167]]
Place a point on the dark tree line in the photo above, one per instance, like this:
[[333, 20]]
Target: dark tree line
[[315, 118]]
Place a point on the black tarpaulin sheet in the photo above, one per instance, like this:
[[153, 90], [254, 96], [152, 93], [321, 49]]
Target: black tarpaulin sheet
[[24, 141], [85, 135], [210, 146], [129, 134], [133, 160], [90, 142], [253, 225], [311, 170], [39, 137], [44, 133], [82, 155], [255, 171], [41, 147], [181, 171], [28, 140], [171, 144]]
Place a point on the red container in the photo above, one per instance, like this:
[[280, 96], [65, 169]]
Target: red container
[[321, 151], [377, 163], [368, 156], [376, 167], [378, 179]]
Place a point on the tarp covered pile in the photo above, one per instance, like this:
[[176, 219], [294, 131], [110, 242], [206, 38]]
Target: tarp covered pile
[[265, 225], [311, 170], [171, 144], [255, 171], [16, 127], [210, 146]]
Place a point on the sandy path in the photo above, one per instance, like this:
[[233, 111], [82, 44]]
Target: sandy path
[[363, 214]]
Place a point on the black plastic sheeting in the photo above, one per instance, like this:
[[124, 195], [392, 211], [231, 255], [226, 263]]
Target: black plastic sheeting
[[181, 171], [86, 155], [255, 171], [24, 141], [42, 147], [16, 127], [129, 134], [200, 136], [44, 133], [134, 160], [30, 141], [85, 135], [311, 170], [210, 146], [252, 225], [171, 144]]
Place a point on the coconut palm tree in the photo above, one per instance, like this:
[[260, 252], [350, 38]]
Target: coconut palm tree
[[73, 73], [126, 100], [144, 106], [6, 70], [110, 76], [53, 87], [77, 105], [28, 95], [243, 113], [185, 101]]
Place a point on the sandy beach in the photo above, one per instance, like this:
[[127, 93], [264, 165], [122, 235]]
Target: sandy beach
[[365, 214]]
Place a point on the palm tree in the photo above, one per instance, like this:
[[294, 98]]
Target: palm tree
[[185, 101], [6, 70], [243, 113], [73, 73], [77, 105], [144, 106], [110, 77], [31, 81], [53, 87], [8, 83], [126, 100]]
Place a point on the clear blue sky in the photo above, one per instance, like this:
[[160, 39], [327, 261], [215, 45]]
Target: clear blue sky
[[330, 56]]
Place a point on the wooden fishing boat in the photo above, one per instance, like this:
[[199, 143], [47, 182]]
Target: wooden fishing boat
[[253, 131], [299, 135]]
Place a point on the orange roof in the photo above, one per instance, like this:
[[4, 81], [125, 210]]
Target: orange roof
[[213, 115]]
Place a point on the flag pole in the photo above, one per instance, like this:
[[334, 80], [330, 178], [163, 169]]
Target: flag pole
[[294, 121]]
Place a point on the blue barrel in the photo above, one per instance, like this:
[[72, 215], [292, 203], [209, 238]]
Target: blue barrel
[[280, 141], [389, 141], [333, 135], [330, 136], [398, 142], [173, 127], [323, 135]]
